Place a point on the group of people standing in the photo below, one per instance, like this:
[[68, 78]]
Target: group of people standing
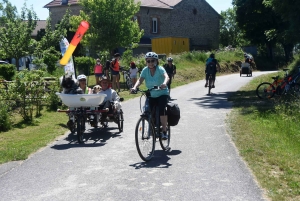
[[112, 71]]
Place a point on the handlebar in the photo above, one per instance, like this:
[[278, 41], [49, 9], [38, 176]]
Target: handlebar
[[145, 91]]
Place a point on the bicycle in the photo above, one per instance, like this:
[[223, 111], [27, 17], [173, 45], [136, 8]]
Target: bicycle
[[127, 79], [148, 129], [287, 85]]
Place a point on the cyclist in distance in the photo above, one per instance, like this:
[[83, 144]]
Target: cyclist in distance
[[155, 75], [212, 66], [171, 71]]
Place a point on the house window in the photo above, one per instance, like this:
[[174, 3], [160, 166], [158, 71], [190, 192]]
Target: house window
[[154, 25], [64, 2]]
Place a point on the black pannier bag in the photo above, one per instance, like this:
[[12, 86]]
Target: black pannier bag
[[173, 113]]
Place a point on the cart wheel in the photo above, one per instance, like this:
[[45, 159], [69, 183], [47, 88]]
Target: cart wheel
[[80, 129], [120, 120]]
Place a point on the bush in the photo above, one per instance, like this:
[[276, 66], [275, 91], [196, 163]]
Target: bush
[[7, 71], [5, 121], [84, 65]]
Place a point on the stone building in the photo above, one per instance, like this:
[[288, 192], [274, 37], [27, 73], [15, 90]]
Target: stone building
[[193, 19]]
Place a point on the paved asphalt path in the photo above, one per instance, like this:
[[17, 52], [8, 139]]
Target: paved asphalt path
[[203, 163]]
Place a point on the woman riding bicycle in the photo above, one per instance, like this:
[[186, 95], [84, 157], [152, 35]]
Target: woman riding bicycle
[[156, 75]]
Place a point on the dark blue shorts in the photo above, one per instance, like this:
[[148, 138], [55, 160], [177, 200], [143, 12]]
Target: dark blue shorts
[[114, 72], [98, 74]]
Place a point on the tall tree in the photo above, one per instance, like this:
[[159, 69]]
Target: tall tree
[[289, 12], [111, 23], [230, 33], [16, 30]]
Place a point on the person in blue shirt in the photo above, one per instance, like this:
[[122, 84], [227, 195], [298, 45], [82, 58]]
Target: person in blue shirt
[[155, 75]]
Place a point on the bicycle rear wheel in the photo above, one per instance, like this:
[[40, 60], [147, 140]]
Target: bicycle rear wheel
[[295, 90], [145, 139], [265, 90], [165, 144], [80, 128]]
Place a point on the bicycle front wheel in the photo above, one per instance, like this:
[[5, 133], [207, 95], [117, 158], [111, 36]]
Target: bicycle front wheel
[[265, 90], [80, 129], [145, 139], [165, 144]]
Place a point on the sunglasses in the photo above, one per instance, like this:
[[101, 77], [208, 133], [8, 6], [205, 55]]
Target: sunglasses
[[150, 61], [82, 80]]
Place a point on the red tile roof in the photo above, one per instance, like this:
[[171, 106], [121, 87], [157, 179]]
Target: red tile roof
[[168, 4]]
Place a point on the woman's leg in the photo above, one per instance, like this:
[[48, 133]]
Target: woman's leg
[[114, 82], [118, 81], [162, 102]]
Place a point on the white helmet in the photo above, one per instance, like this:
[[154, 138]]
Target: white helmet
[[80, 77], [169, 59], [151, 55]]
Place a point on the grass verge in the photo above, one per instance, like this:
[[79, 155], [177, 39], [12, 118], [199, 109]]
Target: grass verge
[[267, 136]]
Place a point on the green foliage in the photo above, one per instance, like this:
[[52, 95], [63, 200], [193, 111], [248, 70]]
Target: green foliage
[[195, 56], [127, 57], [52, 100], [230, 33], [112, 27], [84, 65], [7, 71], [15, 31], [50, 58], [29, 91], [5, 117]]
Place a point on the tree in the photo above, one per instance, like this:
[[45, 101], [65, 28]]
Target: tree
[[45, 48], [289, 34], [15, 31], [111, 23], [230, 33]]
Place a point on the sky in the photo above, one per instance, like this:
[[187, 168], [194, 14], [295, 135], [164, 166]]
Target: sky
[[43, 13]]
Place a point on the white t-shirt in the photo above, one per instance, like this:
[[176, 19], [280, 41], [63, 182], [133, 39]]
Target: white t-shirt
[[133, 72]]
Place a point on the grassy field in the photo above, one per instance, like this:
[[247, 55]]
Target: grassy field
[[266, 133]]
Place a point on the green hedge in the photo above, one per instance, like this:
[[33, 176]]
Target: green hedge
[[7, 71], [84, 65]]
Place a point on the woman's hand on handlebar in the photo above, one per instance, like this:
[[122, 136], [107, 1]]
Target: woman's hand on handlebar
[[162, 86], [133, 90]]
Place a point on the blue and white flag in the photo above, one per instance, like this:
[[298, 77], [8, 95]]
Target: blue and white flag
[[69, 68]]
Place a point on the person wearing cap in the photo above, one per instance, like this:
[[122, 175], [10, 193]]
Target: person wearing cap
[[111, 97], [98, 71], [133, 72], [82, 87], [115, 71]]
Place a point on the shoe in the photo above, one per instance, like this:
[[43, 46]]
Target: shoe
[[164, 136], [205, 85], [213, 86]]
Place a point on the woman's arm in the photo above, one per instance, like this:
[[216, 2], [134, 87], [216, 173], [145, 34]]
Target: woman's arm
[[138, 83], [164, 84]]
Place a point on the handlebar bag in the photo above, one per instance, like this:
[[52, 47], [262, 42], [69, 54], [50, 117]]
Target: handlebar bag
[[173, 113]]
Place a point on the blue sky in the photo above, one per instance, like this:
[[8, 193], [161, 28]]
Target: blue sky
[[43, 13]]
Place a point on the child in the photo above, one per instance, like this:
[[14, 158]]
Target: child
[[133, 72]]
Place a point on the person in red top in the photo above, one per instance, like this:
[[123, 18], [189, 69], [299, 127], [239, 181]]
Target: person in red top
[[98, 71], [115, 71]]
